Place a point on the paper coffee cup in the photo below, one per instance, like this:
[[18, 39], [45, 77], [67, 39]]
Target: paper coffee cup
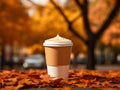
[[57, 53]]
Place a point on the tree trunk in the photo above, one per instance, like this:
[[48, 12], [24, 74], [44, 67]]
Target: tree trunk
[[114, 61], [91, 56], [2, 57]]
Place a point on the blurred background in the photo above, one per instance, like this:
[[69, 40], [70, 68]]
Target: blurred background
[[25, 24]]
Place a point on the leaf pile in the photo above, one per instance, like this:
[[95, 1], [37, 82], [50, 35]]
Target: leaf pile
[[17, 80]]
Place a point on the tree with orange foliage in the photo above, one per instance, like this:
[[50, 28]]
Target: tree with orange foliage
[[95, 24], [14, 24], [93, 37], [55, 19]]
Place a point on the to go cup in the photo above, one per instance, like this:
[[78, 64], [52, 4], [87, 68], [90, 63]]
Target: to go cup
[[57, 53]]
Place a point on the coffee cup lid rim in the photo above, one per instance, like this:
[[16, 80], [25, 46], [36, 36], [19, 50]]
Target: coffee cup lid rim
[[57, 41], [57, 44]]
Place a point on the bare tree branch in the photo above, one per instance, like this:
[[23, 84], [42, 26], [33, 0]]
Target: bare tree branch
[[68, 22], [84, 9], [108, 20], [79, 4], [60, 10], [76, 18], [76, 34]]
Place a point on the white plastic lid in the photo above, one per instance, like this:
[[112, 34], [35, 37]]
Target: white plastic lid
[[57, 41]]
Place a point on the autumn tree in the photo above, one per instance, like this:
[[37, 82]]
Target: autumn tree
[[14, 24], [95, 23], [80, 20]]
